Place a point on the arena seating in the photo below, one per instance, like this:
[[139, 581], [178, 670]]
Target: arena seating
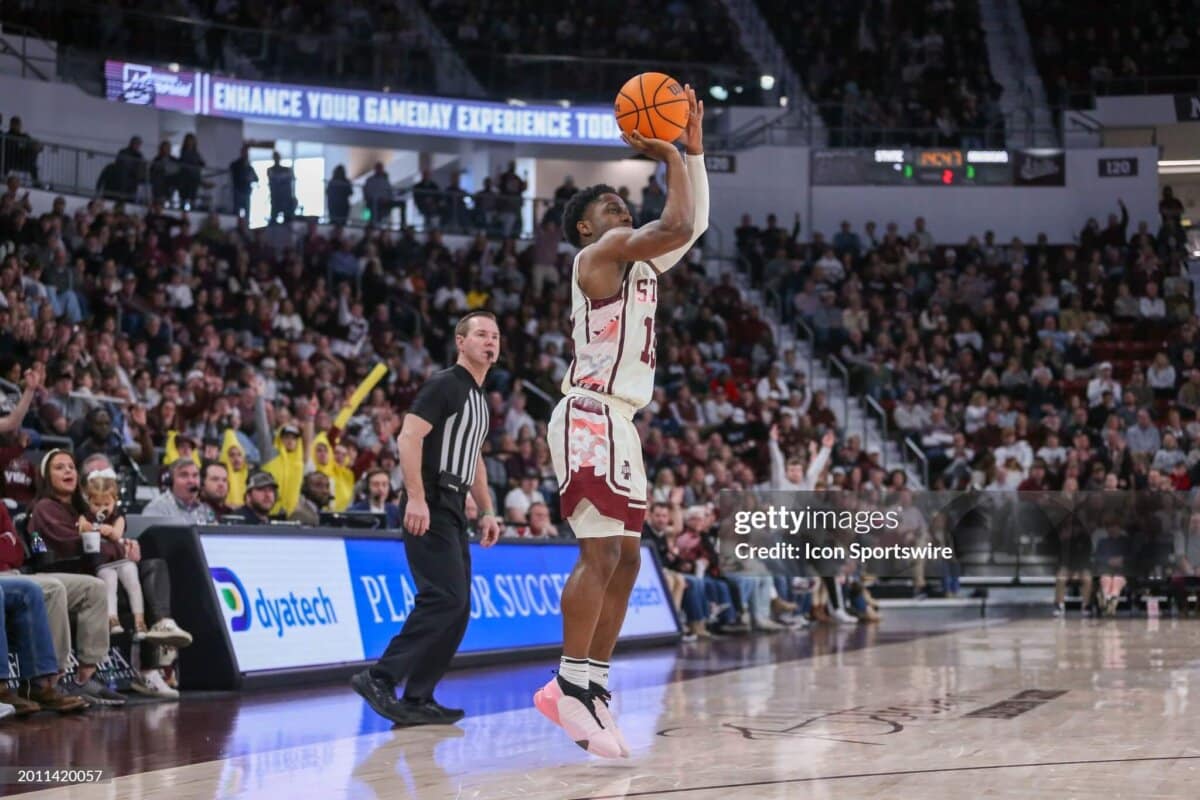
[[1088, 48], [967, 348], [359, 44], [529, 50], [916, 70], [502, 40]]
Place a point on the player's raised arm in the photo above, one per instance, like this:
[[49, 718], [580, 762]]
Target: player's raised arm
[[671, 230], [693, 139]]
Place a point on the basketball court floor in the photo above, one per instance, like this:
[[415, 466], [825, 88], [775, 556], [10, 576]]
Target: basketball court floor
[[1000, 708]]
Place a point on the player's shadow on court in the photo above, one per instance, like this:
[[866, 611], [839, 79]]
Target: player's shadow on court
[[405, 764]]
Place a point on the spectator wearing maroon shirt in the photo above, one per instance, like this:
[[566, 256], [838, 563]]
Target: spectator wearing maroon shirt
[[1036, 480], [55, 516]]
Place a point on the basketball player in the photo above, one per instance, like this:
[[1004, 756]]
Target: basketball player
[[596, 449]]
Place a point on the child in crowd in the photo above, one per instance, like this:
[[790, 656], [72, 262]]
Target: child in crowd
[[120, 557]]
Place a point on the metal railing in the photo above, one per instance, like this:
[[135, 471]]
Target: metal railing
[[809, 125], [835, 363], [873, 407], [921, 458], [812, 345], [32, 65], [1160, 84], [93, 173]]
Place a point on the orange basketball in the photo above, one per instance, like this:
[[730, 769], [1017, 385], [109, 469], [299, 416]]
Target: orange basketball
[[654, 105]]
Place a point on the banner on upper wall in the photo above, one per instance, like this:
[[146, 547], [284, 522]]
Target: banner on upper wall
[[1187, 107], [294, 602], [219, 96]]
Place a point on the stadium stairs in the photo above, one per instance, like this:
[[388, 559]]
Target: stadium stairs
[[854, 416], [454, 77], [760, 43], [1030, 123]]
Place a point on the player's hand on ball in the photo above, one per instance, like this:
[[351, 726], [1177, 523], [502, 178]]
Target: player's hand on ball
[[653, 148], [416, 517], [693, 134], [489, 531]]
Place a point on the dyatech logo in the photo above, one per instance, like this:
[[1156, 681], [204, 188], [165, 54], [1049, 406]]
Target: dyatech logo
[[234, 596], [276, 612]]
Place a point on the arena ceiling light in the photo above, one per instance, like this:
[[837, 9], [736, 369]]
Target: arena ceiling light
[[718, 92], [766, 82], [1187, 166], [783, 101]]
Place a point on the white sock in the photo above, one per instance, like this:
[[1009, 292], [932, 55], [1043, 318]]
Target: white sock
[[574, 671], [598, 672]]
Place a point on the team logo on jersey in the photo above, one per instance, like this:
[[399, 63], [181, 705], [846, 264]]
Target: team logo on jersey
[[625, 470]]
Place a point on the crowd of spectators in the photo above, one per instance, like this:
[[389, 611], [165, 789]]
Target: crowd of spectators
[[984, 346], [1084, 48], [375, 43], [917, 68], [1014, 367], [366, 43], [657, 35], [217, 361]]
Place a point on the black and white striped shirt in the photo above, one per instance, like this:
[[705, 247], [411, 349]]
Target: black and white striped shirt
[[452, 402]]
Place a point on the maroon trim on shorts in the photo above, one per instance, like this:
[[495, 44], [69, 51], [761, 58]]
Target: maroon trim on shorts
[[612, 452], [587, 485], [635, 517], [567, 439]]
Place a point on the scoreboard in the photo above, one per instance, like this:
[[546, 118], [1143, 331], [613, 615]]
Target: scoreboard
[[944, 166]]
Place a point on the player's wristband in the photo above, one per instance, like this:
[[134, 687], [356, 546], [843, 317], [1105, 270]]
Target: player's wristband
[[484, 515]]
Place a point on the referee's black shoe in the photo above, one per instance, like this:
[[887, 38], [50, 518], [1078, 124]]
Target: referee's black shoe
[[436, 710], [380, 695]]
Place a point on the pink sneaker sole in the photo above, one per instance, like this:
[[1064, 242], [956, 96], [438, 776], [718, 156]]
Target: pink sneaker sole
[[585, 731], [610, 724], [546, 700]]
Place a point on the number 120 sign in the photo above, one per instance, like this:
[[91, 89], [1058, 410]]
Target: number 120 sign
[[1118, 167]]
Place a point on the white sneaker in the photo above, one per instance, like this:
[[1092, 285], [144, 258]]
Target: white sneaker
[[842, 615], [152, 684], [767, 625], [166, 632], [1059, 610], [6, 710]]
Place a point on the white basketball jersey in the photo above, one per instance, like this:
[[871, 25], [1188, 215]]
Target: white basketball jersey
[[614, 337]]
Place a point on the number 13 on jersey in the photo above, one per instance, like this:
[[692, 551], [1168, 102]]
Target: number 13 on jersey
[[647, 292]]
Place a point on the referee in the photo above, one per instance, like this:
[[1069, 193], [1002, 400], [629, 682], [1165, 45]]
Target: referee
[[440, 454]]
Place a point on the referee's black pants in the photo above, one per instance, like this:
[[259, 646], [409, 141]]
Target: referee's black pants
[[440, 562]]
